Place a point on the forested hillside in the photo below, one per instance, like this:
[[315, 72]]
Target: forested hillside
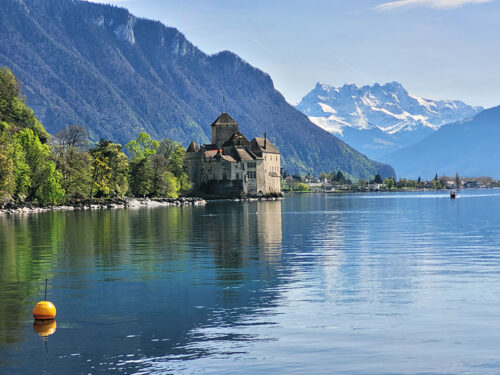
[[117, 75]]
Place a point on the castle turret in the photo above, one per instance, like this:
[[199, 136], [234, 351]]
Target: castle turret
[[223, 128]]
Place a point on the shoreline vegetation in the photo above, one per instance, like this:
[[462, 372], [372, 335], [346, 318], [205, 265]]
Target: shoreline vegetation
[[404, 190], [39, 170], [12, 207], [338, 182]]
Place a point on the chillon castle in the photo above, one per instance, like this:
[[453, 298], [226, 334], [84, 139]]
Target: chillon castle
[[232, 165]]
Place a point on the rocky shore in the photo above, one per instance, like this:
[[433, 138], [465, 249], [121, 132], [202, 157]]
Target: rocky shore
[[12, 207]]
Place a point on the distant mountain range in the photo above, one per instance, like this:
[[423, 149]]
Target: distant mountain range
[[378, 120], [470, 148], [99, 66]]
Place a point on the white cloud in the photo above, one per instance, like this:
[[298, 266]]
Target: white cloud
[[436, 4]]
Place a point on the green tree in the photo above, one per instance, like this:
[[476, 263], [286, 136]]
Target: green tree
[[378, 179], [170, 158], [109, 169], [141, 172], [436, 184], [339, 177], [13, 110], [389, 183], [7, 179], [7, 175], [163, 182], [72, 160], [402, 183], [301, 187], [176, 166], [167, 147], [45, 184], [143, 147]]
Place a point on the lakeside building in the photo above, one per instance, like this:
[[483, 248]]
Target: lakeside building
[[232, 165]]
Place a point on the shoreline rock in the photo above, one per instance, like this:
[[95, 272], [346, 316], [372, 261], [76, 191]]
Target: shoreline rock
[[10, 208]]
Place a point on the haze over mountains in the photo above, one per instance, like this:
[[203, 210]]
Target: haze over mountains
[[379, 119], [99, 66], [470, 147]]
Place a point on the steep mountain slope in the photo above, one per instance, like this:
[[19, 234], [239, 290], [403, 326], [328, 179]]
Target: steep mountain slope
[[469, 147], [379, 119], [116, 74]]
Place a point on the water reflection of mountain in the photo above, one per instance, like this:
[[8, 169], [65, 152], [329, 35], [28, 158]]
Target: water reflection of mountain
[[133, 284]]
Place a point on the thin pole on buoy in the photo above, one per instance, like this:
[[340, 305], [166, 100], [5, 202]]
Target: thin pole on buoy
[[44, 310]]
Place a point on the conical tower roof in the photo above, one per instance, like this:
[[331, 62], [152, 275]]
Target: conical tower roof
[[224, 119], [193, 147]]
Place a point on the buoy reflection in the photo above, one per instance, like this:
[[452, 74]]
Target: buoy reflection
[[44, 328]]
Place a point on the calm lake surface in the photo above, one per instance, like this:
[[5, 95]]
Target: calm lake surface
[[403, 283]]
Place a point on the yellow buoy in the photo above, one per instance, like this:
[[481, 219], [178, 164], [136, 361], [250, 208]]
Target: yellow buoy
[[44, 310], [45, 328]]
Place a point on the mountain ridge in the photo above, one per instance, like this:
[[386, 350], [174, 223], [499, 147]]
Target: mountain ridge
[[99, 66], [468, 147]]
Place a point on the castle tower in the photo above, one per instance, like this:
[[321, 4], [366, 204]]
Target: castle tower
[[223, 128]]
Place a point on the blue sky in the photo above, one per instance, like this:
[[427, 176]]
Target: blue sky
[[438, 49]]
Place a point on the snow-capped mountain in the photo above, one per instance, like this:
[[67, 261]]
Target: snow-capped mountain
[[379, 119]]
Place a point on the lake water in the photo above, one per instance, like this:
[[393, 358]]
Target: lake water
[[404, 283]]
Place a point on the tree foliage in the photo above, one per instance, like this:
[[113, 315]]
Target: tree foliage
[[13, 110], [157, 168], [44, 186], [33, 169], [142, 148], [27, 170], [72, 160], [109, 170]]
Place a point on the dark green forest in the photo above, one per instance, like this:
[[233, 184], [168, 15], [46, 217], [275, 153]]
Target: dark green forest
[[39, 168]]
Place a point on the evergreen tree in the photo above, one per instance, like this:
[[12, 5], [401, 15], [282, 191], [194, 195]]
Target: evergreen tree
[[340, 177]]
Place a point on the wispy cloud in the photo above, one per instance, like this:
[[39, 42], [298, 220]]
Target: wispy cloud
[[436, 4]]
